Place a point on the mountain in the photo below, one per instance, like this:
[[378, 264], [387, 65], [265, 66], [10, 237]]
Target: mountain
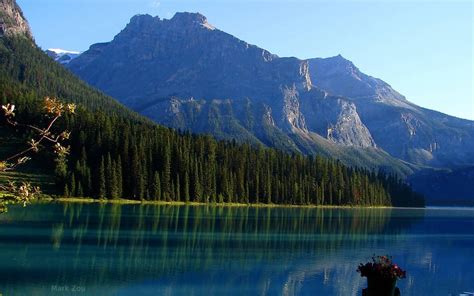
[[116, 153], [446, 187], [401, 128], [187, 74], [62, 56], [12, 21]]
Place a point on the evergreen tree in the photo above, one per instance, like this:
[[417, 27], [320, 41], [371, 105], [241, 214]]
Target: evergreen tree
[[178, 190], [119, 177], [101, 179], [156, 190], [80, 191], [186, 187], [166, 187], [66, 191]]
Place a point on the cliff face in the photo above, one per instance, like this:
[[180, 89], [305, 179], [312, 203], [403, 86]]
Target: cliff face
[[398, 126], [187, 74], [12, 21]]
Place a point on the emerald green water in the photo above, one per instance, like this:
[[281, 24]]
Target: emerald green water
[[93, 249]]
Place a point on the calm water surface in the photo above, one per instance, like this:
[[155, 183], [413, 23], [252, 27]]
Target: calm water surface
[[92, 249]]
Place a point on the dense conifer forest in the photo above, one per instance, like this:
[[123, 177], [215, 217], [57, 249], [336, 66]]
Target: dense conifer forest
[[116, 153]]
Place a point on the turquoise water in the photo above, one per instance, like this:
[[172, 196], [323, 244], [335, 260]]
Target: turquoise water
[[92, 249]]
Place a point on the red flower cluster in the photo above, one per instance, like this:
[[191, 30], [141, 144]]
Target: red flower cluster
[[381, 266]]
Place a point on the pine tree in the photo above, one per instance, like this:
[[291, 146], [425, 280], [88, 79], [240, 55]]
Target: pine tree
[[186, 187], [197, 185], [156, 189], [72, 190], [66, 191], [109, 177], [102, 183], [178, 190], [119, 177], [80, 191], [166, 181]]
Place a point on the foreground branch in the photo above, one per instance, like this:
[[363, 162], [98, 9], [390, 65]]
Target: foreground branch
[[54, 109]]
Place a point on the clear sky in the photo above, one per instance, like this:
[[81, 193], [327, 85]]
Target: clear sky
[[424, 49]]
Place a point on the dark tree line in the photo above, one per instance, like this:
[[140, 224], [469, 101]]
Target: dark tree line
[[142, 162], [118, 154]]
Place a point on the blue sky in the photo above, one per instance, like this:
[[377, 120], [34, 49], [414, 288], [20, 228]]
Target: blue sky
[[424, 49]]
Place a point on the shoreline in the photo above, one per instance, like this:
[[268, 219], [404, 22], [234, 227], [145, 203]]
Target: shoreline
[[217, 204]]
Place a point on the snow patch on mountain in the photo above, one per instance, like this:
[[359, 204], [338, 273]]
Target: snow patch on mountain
[[62, 56]]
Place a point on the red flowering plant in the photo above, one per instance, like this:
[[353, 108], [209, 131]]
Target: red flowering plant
[[381, 266]]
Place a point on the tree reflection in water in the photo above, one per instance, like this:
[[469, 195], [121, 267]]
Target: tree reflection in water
[[117, 249]]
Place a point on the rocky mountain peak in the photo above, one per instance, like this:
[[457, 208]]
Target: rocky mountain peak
[[340, 64], [191, 19], [141, 23], [140, 19], [339, 76], [147, 25], [12, 21]]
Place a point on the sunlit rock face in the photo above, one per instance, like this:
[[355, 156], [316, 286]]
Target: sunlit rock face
[[187, 74], [12, 21]]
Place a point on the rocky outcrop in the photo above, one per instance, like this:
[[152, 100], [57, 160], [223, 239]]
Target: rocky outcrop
[[12, 21], [292, 117], [349, 129], [336, 119]]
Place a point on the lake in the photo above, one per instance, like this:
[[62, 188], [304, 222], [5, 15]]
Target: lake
[[112, 249]]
